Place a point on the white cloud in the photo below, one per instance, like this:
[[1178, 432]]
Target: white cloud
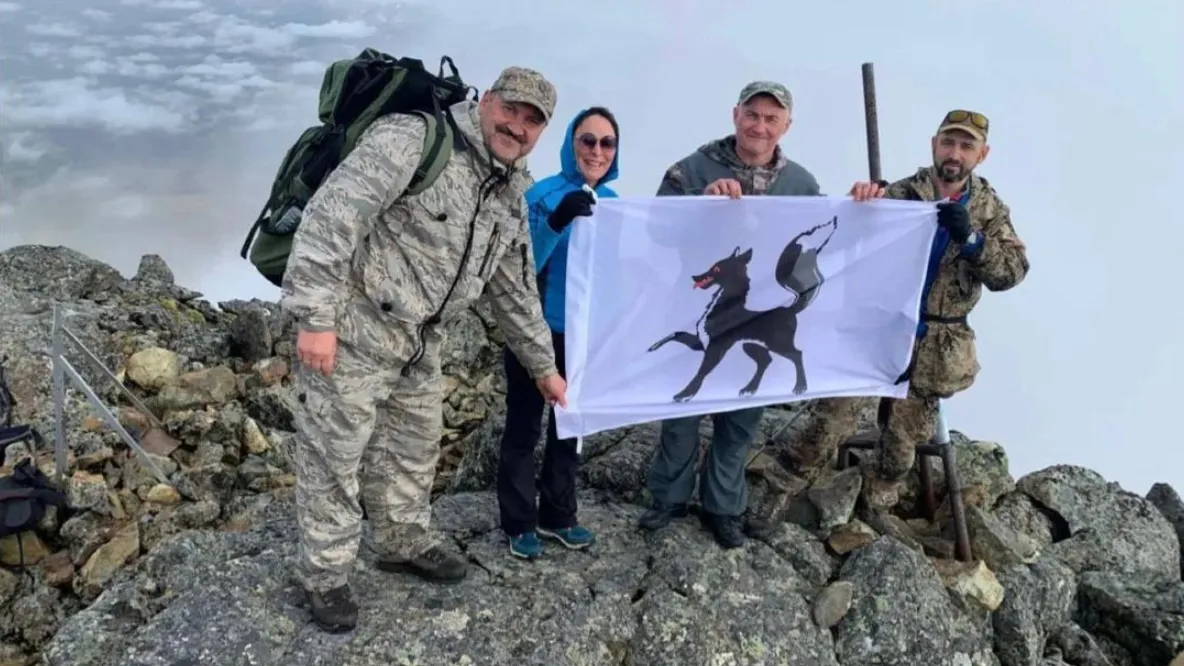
[[77, 102], [168, 41], [178, 4], [237, 36], [142, 70], [127, 207], [331, 30], [96, 14], [85, 52], [203, 17], [95, 67], [164, 4], [164, 27], [224, 91], [54, 30], [25, 147], [214, 66], [9, 7], [307, 68]]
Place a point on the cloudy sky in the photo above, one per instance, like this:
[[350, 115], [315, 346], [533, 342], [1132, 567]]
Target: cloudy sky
[[137, 126]]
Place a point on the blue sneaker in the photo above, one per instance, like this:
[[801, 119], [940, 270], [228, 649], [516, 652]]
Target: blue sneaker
[[526, 546], [575, 537]]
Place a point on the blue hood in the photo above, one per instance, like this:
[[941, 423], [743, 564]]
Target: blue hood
[[550, 190], [550, 248]]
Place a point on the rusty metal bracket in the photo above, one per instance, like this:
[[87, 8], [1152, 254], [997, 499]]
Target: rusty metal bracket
[[938, 447]]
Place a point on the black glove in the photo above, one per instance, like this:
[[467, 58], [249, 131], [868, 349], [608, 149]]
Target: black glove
[[576, 203], [955, 219]]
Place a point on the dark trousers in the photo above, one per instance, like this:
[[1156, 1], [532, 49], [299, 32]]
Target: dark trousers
[[723, 490], [516, 485]]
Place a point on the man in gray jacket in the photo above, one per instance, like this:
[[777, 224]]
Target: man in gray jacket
[[374, 277], [748, 162]]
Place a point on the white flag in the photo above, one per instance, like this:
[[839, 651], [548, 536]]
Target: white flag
[[693, 305]]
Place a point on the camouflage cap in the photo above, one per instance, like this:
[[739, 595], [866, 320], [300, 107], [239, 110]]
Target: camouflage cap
[[972, 122], [771, 88], [520, 84]]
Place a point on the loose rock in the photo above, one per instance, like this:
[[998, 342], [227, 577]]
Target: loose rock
[[195, 567]]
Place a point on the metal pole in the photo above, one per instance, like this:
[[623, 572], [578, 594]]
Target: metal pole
[[62, 368], [59, 397], [873, 128], [953, 487]]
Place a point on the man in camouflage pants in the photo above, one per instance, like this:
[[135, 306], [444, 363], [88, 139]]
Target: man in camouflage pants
[[975, 247], [373, 279]]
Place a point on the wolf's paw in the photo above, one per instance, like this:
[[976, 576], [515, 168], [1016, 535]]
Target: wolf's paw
[[799, 389]]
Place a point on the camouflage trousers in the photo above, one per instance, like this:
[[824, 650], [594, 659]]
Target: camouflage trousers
[[903, 424], [367, 433]]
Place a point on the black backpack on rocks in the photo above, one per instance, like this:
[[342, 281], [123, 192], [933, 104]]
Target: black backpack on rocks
[[27, 493], [25, 496]]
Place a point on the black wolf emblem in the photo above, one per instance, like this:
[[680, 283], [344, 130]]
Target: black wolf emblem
[[727, 319]]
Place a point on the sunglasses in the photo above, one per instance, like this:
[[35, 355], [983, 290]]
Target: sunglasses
[[606, 142], [960, 116]]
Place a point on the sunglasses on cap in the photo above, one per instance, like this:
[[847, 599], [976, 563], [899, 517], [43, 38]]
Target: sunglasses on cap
[[606, 142], [961, 115]]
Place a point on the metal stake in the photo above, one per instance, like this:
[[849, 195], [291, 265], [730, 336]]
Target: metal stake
[[940, 447]]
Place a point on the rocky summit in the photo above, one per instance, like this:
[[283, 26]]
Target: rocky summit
[[195, 568]]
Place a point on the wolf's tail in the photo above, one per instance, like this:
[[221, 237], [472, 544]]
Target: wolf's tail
[[797, 267]]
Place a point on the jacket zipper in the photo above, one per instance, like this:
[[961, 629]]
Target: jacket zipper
[[494, 237], [483, 192]]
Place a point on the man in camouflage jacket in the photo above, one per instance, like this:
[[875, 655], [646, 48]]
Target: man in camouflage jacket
[[976, 246], [373, 279]]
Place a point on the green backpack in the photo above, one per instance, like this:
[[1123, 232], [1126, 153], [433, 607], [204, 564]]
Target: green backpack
[[354, 92]]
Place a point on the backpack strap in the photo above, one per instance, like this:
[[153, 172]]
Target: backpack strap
[[54, 497], [437, 150], [14, 434]]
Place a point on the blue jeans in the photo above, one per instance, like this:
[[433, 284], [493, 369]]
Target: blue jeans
[[723, 489]]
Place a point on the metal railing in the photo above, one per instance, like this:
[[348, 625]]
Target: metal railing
[[62, 368]]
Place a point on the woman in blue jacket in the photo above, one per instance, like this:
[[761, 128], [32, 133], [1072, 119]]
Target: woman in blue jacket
[[588, 161]]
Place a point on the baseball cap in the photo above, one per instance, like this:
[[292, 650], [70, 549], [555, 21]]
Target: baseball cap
[[521, 84], [775, 90], [972, 122]]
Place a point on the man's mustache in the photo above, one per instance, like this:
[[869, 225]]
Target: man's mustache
[[502, 129]]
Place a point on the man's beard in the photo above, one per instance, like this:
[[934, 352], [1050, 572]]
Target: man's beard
[[951, 172]]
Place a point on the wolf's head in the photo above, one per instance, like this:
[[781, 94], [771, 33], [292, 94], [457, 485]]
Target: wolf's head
[[731, 271]]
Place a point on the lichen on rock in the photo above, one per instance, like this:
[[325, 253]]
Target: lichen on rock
[[196, 568]]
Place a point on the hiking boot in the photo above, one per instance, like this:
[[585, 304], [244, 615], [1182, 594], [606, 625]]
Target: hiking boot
[[334, 610], [434, 564], [727, 530], [526, 546], [573, 538], [659, 515]]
